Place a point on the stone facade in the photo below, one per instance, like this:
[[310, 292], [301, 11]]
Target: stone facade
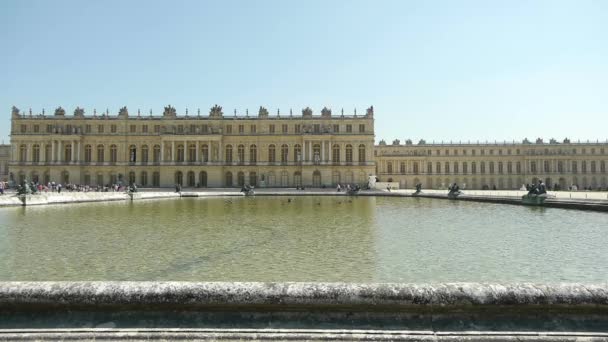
[[214, 150], [5, 158], [498, 165]]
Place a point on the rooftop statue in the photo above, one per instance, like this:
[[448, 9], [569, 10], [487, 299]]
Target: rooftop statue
[[422, 142], [15, 111], [566, 141], [60, 111], [169, 111], [216, 111], [79, 112], [262, 112], [325, 112], [123, 111], [539, 140], [370, 111], [307, 112], [382, 142], [396, 142], [409, 142]]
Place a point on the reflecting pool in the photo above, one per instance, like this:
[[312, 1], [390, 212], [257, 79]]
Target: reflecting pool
[[361, 239]]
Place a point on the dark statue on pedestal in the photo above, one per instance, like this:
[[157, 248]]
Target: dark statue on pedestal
[[454, 191]]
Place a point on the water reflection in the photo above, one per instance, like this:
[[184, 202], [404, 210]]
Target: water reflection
[[302, 239]]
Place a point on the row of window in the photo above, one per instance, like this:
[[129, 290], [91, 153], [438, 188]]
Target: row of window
[[193, 129], [508, 152], [546, 167], [192, 153]]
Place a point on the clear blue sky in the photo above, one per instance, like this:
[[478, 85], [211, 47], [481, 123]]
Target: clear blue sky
[[439, 70]]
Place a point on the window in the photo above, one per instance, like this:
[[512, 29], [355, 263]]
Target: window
[[192, 129], [464, 152], [180, 129], [49, 128], [284, 128], [447, 152], [509, 167], [284, 153], [473, 167], [144, 153], [112, 128], [518, 167], [465, 168], [180, 153], [335, 153], [22, 153], [156, 154], [229, 153], [297, 128], [438, 167], [144, 129], [429, 167], [192, 153], [297, 153], [253, 154], [560, 166], [482, 167], [361, 153], [415, 165], [473, 152], [156, 128], [593, 165], [205, 129], [205, 152], [389, 167], [349, 153], [87, 153], [361, 128], [100, 153], [491, 167], [87, 128], [240, 153], [36, 128], [271, 154], [241, 129], [455, 167], [584, 166], [36, 153], [533, 167], [446, 168], [228, 129], [316, 128], [546, 166], [349, 128], [271, 128], [132, 154], [574, 167], [113, 154], [402, 168], [132, 129], [336, 128], [23, 128]]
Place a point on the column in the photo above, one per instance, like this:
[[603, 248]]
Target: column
[[323, 151], [52, 151], [78, 145], [60, 151], [73, 157], [219, 153], [303, 154], [173, 151], [198, 147], [162, 151], [310, 151]]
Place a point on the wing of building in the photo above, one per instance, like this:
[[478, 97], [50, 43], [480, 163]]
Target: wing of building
[[211, 150]]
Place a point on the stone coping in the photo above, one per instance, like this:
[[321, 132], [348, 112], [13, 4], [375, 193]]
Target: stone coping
[[111, 293]]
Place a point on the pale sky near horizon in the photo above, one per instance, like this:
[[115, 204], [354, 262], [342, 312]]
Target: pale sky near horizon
[[438, 70]]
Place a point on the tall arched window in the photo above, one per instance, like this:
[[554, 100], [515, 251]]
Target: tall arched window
[[253, 154], [284, 153], [335, 153], [192, 153], [36, 153], [297, 153], [131, 177], [179, 178], [316, 152], [180, 153], [191, 179], [240, 178], [446, 168], [438, 167], [229, 156], [67, 153], [349, 153], [47, 154], [465, 167], [228, 179], [271, 154], [415, 167], [491, 167], [113, 154], [88, 151], [156, 154], [156, 178], [361, 153], [144, 154], [402, 168], [473, 167], [455, 167], [240, 155], [500, 168], [205, 153], [509, 167], [482, 167], [389, 167], [132, 154], [100, 153]]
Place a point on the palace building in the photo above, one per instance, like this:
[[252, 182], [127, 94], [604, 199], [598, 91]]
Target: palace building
[[218, 150], [213, 150], [493, 165]]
